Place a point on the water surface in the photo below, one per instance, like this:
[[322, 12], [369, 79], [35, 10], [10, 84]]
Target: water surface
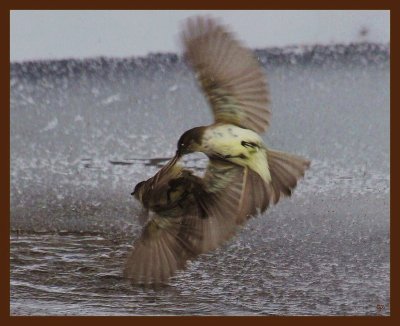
[[83, 133]]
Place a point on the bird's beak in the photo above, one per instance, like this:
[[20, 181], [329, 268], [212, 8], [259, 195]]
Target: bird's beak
[[175, 158], [178, 155], [172, 162]]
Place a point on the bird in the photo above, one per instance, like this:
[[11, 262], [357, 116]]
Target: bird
[[235, 85], [187, 214]]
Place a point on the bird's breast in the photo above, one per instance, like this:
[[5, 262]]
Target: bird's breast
[[238, 145]]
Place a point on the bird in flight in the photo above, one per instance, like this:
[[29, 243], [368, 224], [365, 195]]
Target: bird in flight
[[190, 215]]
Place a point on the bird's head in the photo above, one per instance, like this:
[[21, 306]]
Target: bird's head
[[190, 141]]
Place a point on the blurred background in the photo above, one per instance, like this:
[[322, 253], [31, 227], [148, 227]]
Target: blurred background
[[77, 34]]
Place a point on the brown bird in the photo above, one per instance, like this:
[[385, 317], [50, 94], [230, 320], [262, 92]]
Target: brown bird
[[236, 88], [194, 215], [191, 215]]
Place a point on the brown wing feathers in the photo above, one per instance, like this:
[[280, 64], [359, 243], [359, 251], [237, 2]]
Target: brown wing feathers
[[158, 253], [285, 170], [230, 76], [216, 206]]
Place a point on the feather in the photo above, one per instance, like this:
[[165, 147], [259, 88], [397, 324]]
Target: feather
[[285, 170], [229, 74]]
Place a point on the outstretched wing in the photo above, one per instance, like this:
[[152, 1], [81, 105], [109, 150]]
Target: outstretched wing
[[199, 216], [191, 217], [159, 252], [229, 74], [165, 243]]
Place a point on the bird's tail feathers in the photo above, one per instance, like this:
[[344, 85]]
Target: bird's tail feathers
[[285, 169]]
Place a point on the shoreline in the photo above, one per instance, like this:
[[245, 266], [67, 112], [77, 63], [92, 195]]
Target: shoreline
[[318, 55]]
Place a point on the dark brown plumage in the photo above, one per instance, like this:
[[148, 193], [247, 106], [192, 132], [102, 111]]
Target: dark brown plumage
[[193, 215]]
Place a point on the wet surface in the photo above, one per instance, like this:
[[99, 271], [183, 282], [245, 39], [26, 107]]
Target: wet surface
[[82, 138]]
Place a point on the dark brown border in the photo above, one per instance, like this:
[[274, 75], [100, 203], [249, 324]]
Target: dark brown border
[[209, 4], [394, 162], [5, 163], [6, 6]]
